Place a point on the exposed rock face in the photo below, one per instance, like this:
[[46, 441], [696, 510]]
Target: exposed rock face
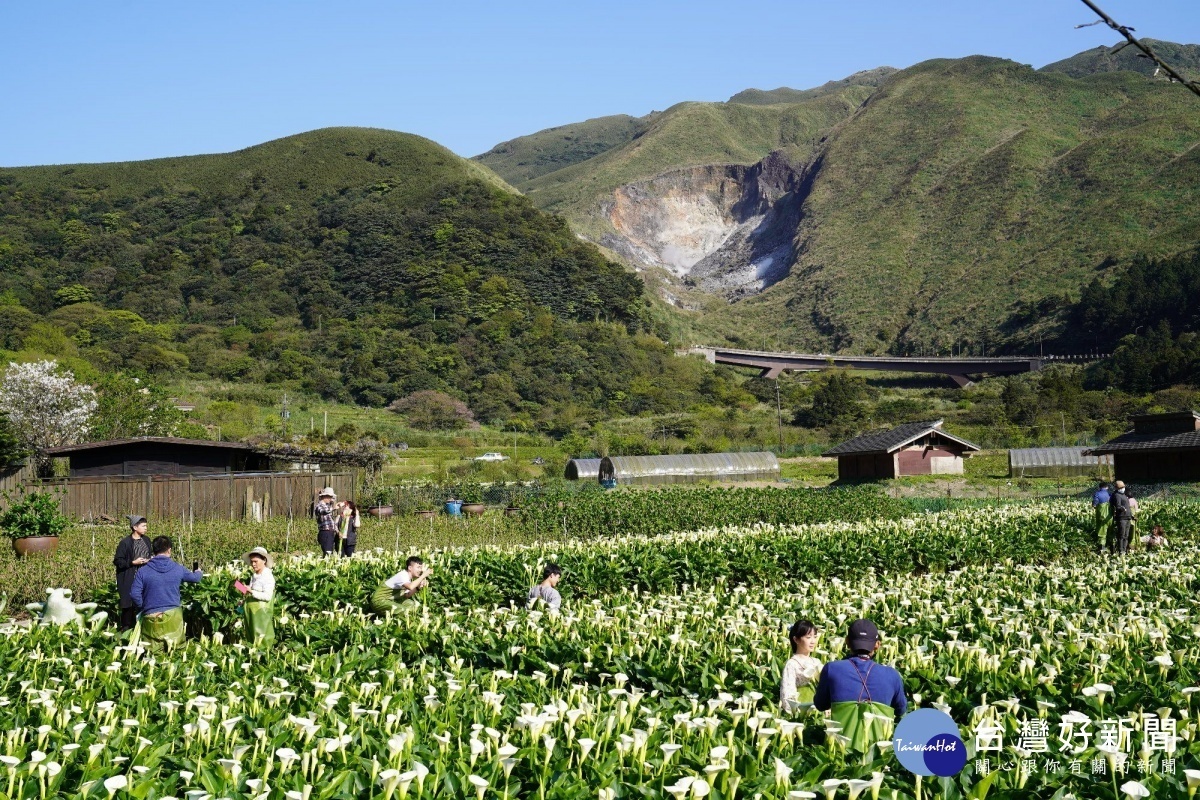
[[727, 229]]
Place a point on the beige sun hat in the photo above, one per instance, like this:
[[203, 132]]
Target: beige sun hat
[[327, 492], [260, 551]]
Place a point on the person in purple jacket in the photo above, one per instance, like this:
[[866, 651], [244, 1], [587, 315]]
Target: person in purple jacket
[[156, 591]]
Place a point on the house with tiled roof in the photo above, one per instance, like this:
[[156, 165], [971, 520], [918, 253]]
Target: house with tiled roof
[[1161, 447], [915, 448]]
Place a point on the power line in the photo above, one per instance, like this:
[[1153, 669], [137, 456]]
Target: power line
[[1133, 40]]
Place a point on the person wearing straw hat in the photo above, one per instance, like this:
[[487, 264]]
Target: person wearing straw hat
[[259, 597], [326, 512]]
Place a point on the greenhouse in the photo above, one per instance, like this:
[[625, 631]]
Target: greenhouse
[[582, 469], [1057, 462], [632, 470]]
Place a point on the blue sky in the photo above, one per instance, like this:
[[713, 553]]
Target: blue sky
[[117, 81]]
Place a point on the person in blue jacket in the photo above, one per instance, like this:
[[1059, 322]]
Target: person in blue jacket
[[156, 591], [862, 695]]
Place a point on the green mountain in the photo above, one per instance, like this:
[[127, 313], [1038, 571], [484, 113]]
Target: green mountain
[[529, 157], [758, 97], [1183, 58], [956, 203], [360, 264]]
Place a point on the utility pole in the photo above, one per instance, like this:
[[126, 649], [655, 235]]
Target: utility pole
[[325, 430], [779, 412], [284, 415]]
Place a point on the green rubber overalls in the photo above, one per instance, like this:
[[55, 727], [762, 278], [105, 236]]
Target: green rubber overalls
[[864, 722], [165, 628], [260, 621], [385, 599], [1103, 524]]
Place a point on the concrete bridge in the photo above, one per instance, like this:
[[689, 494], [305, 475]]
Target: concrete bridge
[[959, 369]]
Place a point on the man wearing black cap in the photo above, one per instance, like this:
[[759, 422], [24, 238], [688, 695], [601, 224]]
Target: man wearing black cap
[[132, 552], [861, 694]]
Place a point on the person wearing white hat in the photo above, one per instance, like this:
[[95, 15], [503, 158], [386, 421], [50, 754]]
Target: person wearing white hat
[[326, 512], [259, 597]]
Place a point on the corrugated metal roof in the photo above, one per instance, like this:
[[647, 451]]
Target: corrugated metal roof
[[1055, 457], [75, 448], [582, 469], [887, 441], [667, 469]]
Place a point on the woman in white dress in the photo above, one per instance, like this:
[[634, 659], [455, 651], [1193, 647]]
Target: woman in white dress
[[800, 673]]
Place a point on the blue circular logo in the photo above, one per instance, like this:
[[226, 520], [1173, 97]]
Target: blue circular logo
[[927, 742]]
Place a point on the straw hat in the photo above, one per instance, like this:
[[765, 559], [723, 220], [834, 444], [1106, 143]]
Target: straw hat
[[327, 492], [260, 551]]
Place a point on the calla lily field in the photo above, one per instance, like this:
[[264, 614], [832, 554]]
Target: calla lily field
[[1068, 674]]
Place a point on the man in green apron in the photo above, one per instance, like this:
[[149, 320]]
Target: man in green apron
[[156, 591], [865, 698]]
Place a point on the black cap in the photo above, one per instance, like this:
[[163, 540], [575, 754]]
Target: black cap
[[134, 519], [863, 635]]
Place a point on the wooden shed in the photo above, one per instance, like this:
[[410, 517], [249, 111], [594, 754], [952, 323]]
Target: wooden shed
[[916, 448], [1161, 447], [160, 455]]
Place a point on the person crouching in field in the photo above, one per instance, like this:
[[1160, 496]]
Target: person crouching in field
[[799, 682], [1155, 539], [156, 592], [259, 597], [401, 586], [546, 591]]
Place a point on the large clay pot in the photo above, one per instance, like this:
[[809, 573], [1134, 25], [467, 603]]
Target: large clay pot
[[474, 508], [425, 514], [380, 512], [512, 511], [43, 545]]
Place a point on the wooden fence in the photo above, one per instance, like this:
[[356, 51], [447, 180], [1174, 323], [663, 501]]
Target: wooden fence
[[183, 497]]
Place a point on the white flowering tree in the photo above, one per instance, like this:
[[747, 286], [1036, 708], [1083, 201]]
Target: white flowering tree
[[46, 406]]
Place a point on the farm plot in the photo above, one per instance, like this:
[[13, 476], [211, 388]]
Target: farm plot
[[635, 693]]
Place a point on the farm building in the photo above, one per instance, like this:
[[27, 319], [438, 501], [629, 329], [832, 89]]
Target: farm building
[[159, 455], [1057, 462], [630, 470], [917, 448], [182, 479], [1161, 447], [582, 469]]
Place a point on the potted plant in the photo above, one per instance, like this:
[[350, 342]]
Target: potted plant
[[34, 522], [472, 494], [424, 501], [379, 499], [517, 495]]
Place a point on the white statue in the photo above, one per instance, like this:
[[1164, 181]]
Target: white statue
[[59, 610]]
